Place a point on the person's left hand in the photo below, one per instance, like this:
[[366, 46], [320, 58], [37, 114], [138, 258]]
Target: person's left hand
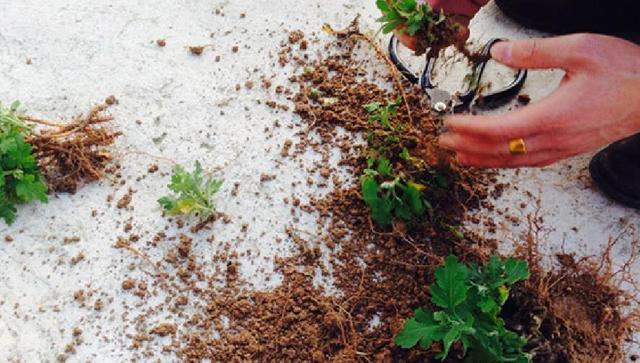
[[597, 102]]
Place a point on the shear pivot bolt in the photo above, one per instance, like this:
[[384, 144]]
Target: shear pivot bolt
[[440, 106]]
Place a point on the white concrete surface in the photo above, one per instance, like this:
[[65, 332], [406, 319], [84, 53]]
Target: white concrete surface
[[83, 51]]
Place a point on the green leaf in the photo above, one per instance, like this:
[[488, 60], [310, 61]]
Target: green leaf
[[451, 285], [384, 166], [8, 212], [373, 106], [20, 178], [383, 6], [193, 194], [413, 198], [487, 305], [404, 155], [380, 207], [515, 270], [470, 313], [422, 328], [30, 188]]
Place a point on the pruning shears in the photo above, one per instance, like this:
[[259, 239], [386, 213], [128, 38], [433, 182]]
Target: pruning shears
[[445, 102]]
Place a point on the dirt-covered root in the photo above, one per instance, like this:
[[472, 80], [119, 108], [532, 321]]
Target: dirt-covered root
[[74, 153], [577, 312]]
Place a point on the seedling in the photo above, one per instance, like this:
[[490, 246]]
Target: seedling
[[383, 113], [470, 299], [431, 29], [407, 15], [193, 194], [394, 184], [394, 196], [20, 179]]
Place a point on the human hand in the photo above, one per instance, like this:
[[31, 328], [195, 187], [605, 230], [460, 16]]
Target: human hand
[[597, 102], [460, 10]]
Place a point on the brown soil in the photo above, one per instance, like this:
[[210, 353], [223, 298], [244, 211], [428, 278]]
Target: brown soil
[[74, 153], [577, 312]]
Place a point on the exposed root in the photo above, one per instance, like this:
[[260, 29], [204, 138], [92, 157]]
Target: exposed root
[[75, 153]]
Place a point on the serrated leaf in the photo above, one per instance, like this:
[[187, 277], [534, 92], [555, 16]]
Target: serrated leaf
[[487, 305], [515, 270], [384, 166], [422, 328], [451, 286], [413, 197], [194, 195], [380, 207], [383, 6], [20, 179], [371, 107], [30, 188]]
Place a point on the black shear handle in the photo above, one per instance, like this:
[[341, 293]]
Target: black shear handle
[[493, 99]]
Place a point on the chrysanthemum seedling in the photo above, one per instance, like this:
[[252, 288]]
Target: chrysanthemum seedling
[[394, 184], [431, 28], [193, 194], [20, 179], [407, 16], [470, 299]]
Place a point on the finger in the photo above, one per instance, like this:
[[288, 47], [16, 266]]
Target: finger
[[551, 115], [473, 145], [540, 159], [566, 52]]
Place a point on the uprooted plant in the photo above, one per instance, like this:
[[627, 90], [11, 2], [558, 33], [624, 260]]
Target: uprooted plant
[[394, 184], [20, 179], [432, 29], [470, 299], [56, 157], [193, 194]]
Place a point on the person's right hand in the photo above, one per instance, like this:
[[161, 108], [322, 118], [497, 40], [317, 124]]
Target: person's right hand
[[460, 10]]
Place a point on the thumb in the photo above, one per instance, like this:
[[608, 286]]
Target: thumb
[[555, 52]]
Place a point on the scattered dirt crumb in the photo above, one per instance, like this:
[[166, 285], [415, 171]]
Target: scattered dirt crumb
[[111, 100], [164, 329], [266, 177], [75, 260], [196, 49], [125, 200], [128, 284], [295, 36]]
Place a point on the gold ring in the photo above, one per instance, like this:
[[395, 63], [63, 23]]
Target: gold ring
[[517, 147]]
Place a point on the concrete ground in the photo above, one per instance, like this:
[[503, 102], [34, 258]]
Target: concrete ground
[[61, 57]]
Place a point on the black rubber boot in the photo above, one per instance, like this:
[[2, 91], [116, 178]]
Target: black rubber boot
[[616, 171]]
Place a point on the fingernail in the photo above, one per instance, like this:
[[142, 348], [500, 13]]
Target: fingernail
[[501, 51]]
